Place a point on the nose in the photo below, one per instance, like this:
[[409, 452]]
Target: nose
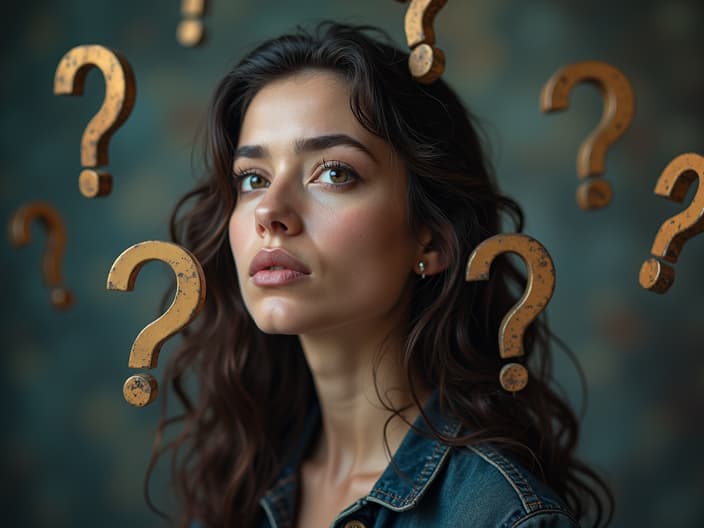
[[277, 213]]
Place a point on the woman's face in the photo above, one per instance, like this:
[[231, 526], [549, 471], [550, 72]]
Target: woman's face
[[319, 234]]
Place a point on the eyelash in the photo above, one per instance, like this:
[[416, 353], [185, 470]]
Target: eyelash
[[241, 174], [334, 164]]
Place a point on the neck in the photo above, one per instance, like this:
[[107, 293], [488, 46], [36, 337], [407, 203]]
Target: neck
[[355, 404]]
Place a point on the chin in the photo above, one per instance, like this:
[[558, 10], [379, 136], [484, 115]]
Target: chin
[[276, 318]]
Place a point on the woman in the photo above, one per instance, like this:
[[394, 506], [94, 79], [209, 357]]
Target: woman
[[347, 375]]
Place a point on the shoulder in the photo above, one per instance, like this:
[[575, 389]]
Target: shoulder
[[491, 489]]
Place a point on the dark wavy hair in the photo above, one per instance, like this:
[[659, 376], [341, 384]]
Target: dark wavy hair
[[252, 389]]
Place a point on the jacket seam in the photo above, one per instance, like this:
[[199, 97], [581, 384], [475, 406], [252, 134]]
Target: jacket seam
[[532, 514], [436, 459], [528, 497], [410, 499]]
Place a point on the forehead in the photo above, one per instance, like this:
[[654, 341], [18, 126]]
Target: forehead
[[306, 104]]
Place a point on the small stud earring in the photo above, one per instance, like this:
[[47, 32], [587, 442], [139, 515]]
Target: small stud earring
[[421, 268]]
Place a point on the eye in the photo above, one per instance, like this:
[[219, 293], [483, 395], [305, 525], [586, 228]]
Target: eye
[[248, 181], [337, 174]]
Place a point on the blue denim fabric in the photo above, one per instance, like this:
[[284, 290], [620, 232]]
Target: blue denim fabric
[[435, 486]]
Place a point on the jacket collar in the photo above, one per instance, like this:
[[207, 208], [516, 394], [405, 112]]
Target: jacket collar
[[413, 467], [417, 461]]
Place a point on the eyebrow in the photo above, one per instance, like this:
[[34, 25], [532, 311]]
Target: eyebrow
[[306, 145]]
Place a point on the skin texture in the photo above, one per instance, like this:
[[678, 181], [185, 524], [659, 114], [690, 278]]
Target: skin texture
[[354, 238], [353, 235]]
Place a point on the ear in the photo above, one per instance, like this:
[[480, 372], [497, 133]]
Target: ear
[[433, 260]]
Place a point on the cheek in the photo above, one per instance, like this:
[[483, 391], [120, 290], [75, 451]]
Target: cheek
[[359, 234]]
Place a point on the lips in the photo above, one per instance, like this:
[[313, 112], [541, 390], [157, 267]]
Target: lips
[[276, 267]]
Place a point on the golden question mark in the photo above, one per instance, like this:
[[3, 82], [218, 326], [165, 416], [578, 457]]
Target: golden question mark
[[20, 235], [190, 32], [120, 93], [673, 184], [426, 62], [141, 389], [538, 292], [619, 107]]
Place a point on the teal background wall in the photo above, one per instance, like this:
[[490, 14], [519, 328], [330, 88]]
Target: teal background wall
[[74, 453]]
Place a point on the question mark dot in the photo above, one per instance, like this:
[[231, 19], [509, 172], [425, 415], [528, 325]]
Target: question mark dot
[[190, 33], [594, 194], [140, 390], [656, 276], [93, 183], [513, 377], [61, 298]]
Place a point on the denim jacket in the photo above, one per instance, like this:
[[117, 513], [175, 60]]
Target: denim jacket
[[437, 486]]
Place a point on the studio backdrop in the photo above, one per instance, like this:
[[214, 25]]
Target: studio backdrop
[[75, 453]]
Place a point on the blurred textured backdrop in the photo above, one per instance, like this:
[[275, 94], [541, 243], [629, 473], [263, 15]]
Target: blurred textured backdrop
[[74, 453]]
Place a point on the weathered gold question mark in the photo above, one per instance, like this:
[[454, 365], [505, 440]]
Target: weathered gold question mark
[[141, 389], [619, 107], [190, 32], [20, 235], [426, 62], [120, 94], [673, 184], [538, 292]]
